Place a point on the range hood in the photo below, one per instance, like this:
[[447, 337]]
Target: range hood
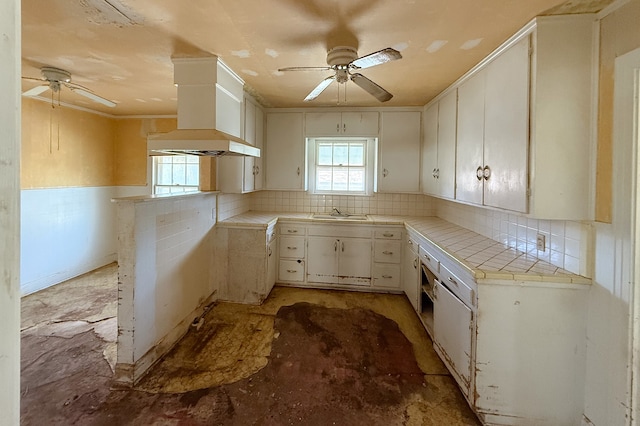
[[210, 99]]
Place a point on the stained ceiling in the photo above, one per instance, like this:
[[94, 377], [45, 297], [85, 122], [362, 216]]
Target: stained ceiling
[[122, 49]]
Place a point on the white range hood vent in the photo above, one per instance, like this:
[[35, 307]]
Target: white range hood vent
[[210, 99]]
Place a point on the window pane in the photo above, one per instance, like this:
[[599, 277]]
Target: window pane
[[193, 175], [179, 159], [341, 154], [340, 179], [323, 179], [356, 154], [192, 159], [356, 179], [179, 174], [164, 174], [325, 154]]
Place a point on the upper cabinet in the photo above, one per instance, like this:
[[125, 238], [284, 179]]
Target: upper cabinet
[[439, 147], [399, 159], [285, 146], [524, 126], [341, 124]]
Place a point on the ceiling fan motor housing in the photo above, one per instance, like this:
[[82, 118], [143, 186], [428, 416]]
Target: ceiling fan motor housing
[[341, 55], [55, 76]]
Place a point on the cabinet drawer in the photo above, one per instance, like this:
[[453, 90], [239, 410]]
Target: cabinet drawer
[[410, 246], [292, 247], [291, 270], [458, 287], [388, 233], [386, 275], [341, 231], [427, 258], [286, 229], [387, 251]]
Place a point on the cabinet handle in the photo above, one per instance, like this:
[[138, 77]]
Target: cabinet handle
[[337, 127], [342, 245], [292, 271], [292, 248], [298, 171], [428, 258], [452, 281], [479, 173], [387, 252], [292, 231], [385, 172], [257, 170], [387, 234], [435, 292], [433, 173], [344, 127], [387, 277], [415, 263], [410, 242], [335, 246], [486, 172], [438, 173], [269, 252]]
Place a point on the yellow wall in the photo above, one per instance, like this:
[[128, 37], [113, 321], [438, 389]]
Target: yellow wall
[[131, 147], [618, 35], [64, 147]]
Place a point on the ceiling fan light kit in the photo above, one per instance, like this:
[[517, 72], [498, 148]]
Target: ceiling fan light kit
[[344, 60]]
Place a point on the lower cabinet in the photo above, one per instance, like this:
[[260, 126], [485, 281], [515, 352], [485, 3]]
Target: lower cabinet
[[272, 263], [339, 260], [411, 272]]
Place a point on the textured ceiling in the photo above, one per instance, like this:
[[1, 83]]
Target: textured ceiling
[[122, 49]]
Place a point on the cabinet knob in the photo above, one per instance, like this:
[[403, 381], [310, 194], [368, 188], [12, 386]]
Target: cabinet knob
[[479, 173], [298, 171], [292, 271], [486, 172], [387, 234], [385, 172], [292, 248], [387, 277], [292, 231], [389, 253]]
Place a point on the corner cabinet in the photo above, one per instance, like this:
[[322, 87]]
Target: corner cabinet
[[399, 162], [285, 146], [341, 124], [524, 122], [439, 147]]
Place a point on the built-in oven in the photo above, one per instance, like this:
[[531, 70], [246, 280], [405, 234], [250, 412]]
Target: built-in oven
[[429, 267]]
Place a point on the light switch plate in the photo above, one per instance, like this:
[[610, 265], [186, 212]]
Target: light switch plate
[[540, 242]]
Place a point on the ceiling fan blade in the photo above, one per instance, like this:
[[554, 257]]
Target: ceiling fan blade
[[304, 69], [36, 90], [377, 58], [88, 94], [369, 86], [320, 88]]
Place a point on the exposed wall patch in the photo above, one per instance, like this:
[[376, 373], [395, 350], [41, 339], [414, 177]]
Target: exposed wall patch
[[156, 99], [141, 100], [241, 53], [277, 73], [250, 72], [436, 45], [400, 46], [271, 52], [470, 44]]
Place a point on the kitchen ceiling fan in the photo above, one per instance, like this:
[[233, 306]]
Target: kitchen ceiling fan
[[55, 78], [345, 62]]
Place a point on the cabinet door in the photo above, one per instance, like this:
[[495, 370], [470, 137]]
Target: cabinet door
[[249, 171], [470, 142], [446, 175], [399, 169], [249, 122], [258, 162], [322, 124], [452, 325], [284, 151], [271, 265], [430, 150], [360, 124], [354, 261], [506, 129], [322, 266]]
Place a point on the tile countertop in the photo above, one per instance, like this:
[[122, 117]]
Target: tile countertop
[[482, 256]]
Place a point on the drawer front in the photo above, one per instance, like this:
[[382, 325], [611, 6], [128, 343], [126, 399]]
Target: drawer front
[[292, 247], [410, 246], [387, 251], [338, 231], [286, 229], [427, 258], [458, 287], [388, 233], [386, 275], [291, 270]]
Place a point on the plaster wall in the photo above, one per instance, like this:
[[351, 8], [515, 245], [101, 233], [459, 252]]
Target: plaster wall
[[9, 212]]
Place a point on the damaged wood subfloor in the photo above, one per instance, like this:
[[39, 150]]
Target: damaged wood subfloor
[[303, 357]]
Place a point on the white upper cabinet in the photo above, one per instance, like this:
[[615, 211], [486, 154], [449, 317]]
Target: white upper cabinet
[[439, 148], [524, 123], [285, 151], [341, 124], [259, 162], [399, 160]]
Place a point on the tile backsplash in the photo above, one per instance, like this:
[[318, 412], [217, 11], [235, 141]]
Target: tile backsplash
[[566, 242]]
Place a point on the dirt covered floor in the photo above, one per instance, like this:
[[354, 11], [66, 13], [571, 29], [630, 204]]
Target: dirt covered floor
[[304, 357]]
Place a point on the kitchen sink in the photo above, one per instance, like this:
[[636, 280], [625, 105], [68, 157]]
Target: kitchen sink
[[340, 216]]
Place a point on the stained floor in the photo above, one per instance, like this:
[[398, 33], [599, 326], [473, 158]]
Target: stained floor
[[303, 357]]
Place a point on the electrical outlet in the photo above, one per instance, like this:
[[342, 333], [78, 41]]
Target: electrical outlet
[[540, 242]]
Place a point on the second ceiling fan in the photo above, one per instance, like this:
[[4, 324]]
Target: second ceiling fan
[[345, 62]]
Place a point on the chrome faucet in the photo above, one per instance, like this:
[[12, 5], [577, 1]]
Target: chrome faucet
[[335, 212]]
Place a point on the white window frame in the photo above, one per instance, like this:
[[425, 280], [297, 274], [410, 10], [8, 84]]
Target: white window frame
[[172, 188], [370, 165]]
